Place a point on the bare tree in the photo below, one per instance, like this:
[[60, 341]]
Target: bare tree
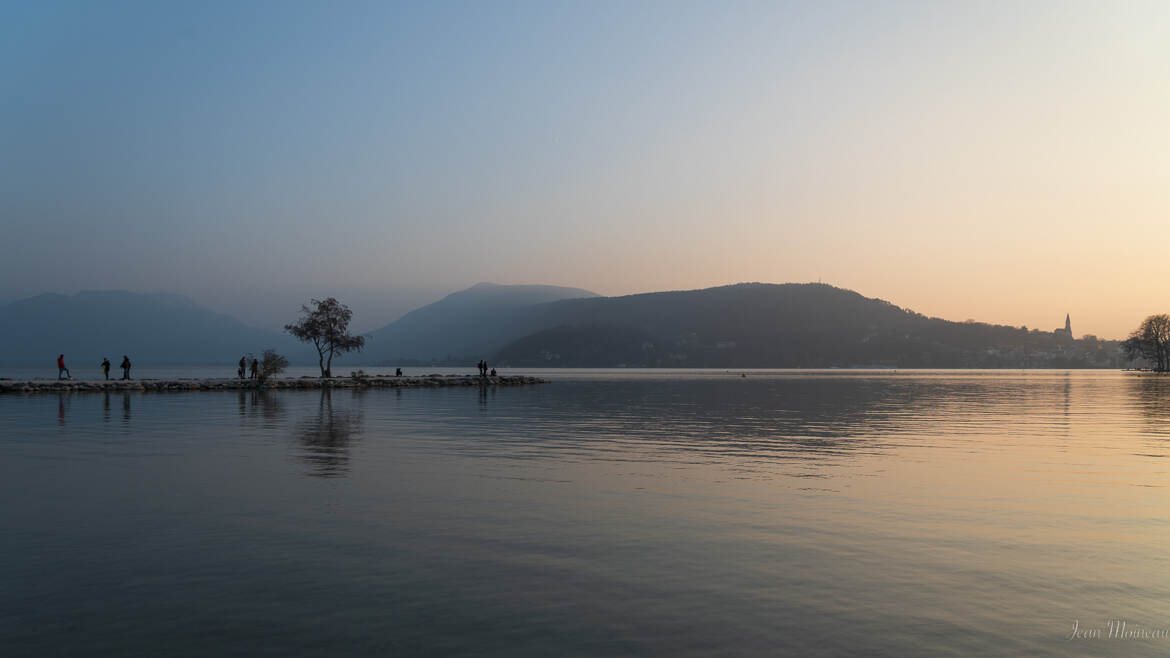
[[271, 364], [326, 326], [1151, 341]]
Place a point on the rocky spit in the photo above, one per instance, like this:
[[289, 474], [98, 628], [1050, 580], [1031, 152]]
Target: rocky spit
[[426, 381]]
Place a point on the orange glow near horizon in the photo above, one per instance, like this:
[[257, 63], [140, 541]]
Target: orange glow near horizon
[[1008, 163]]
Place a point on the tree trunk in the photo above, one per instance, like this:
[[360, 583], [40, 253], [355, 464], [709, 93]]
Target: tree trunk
[[330, 338]]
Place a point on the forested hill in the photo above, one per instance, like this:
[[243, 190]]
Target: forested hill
[[780, 326]]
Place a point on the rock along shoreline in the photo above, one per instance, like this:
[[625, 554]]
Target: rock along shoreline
[[233, 384]]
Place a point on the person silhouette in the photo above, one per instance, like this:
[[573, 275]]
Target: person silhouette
[[106, 368], [243, 367], [255, 368], [125, 367], [61, 369]]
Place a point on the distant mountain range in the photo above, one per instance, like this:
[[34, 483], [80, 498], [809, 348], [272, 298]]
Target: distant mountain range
[[749, 325], [155, 328], [463, 327], [168, 329], [739, 326]]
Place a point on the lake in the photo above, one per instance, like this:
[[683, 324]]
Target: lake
[[605, 513]]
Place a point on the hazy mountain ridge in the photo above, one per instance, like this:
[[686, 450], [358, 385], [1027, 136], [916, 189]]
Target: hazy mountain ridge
[[469, 324], [165, 328], [152, 328], [743, 325]]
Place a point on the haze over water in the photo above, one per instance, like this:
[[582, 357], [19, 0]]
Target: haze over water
[[634, 513]]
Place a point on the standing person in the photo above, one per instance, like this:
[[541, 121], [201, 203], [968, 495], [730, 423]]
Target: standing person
[[62, 369], [125, 367], [255, 368], [243, 367], [106, 368]]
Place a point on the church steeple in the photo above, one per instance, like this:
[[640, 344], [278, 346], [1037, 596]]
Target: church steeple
[[1068, 324]]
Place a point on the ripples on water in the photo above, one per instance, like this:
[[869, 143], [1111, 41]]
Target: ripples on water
[[653, 514]]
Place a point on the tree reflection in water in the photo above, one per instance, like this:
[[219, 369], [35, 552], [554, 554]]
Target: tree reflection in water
[[1151, 395], [326, 438]]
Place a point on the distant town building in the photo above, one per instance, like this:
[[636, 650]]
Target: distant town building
[[1066, 331]]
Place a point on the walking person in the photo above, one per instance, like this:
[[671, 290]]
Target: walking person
[[61, 369], [243, 367], [125, 367], [106, 368]]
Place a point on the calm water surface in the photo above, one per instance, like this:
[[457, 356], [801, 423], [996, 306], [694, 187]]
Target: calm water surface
[[628, 513]]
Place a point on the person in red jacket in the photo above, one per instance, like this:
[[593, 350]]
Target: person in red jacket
[[61, 369]]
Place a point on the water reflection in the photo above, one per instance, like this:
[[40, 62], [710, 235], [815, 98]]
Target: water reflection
[[484, 392], [1151, 394], [106, 415], [61, 409], [758, 428], [262, 404], [696, 421], [327, 436], [982, 511]]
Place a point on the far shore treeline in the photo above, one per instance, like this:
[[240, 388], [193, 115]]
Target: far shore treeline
[[751, 325]]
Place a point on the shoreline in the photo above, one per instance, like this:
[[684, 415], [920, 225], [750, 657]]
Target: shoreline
[[234, 384]]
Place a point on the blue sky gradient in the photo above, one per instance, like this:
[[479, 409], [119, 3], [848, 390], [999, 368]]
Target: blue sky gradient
[[989, 160]]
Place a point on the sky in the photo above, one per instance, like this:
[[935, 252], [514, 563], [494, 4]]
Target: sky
[[1007, 162]]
